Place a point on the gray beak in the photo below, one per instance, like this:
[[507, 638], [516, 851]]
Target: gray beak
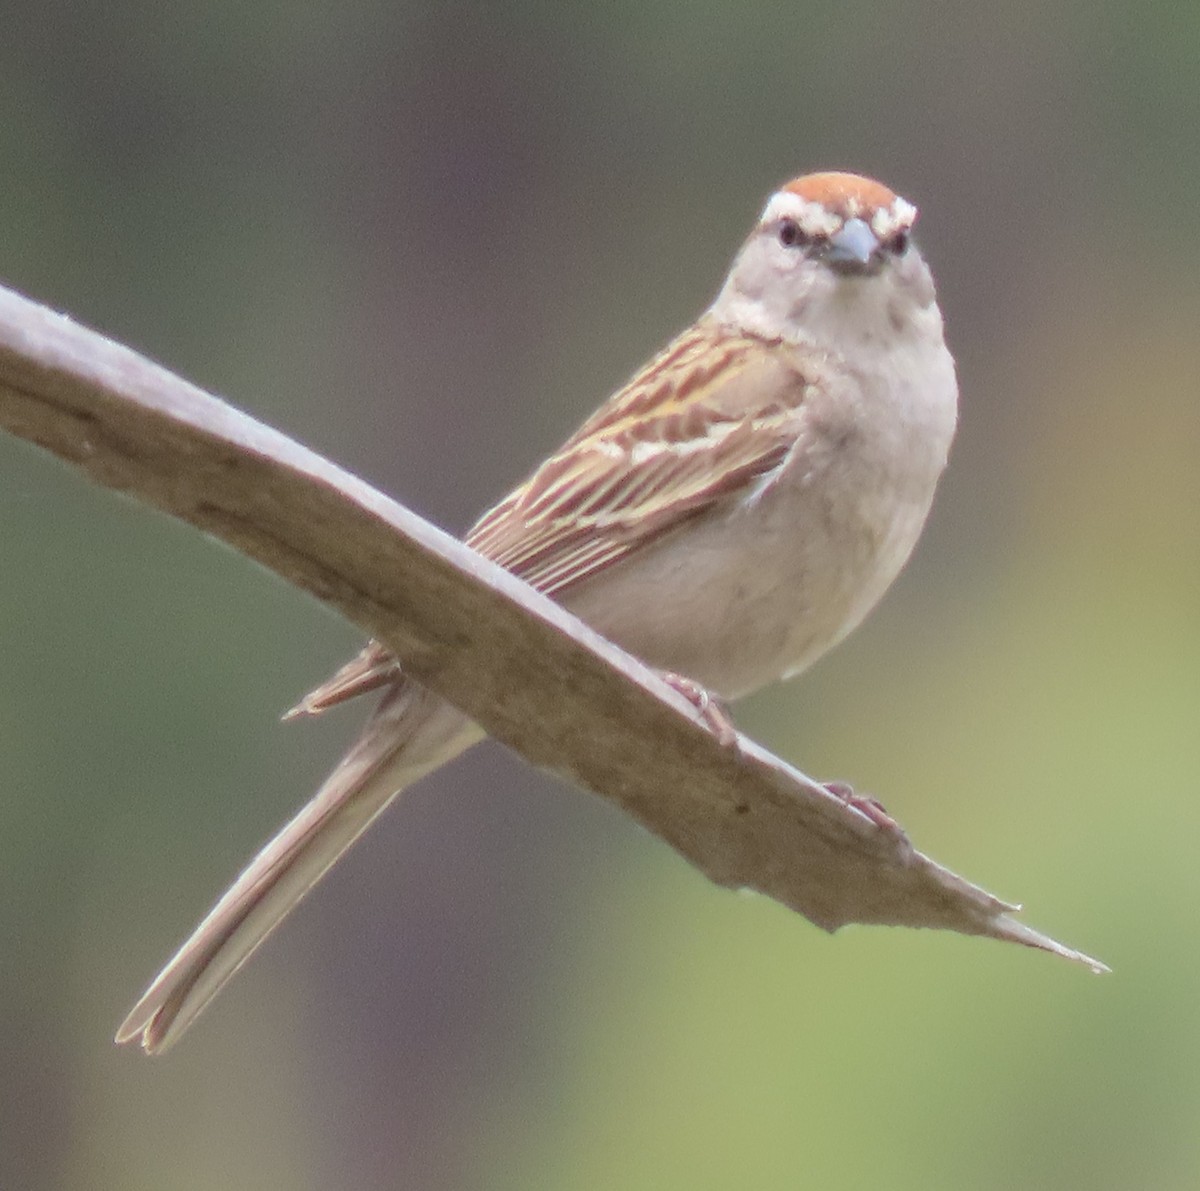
[[854, 245]]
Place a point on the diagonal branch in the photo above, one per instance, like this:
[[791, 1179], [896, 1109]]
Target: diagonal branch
[[533, 676]]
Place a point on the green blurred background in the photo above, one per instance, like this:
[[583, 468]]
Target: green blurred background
[[426, 239]]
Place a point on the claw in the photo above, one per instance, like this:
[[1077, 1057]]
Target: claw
[[864, 803], [714, 714]]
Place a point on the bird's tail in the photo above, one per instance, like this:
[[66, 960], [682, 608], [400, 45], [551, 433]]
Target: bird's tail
[[410, 734]]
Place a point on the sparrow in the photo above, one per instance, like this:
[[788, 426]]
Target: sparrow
[[727, 516]]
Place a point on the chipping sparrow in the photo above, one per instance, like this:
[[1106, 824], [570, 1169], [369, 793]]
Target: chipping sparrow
[[729, 515]]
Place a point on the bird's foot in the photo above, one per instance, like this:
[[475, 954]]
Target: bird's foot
[[713, 712], [864, 803]]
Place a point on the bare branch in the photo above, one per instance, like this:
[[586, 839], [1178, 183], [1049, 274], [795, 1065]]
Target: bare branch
[[532, 675]]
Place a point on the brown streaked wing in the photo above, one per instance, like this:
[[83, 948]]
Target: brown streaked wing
[[699, 423], [708, 421]]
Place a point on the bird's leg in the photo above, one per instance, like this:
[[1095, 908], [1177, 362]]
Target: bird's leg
[[869, 806], [713, 712]]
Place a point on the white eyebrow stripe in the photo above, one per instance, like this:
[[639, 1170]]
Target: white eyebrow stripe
[[817, 220], [813, 218], [889, 220]]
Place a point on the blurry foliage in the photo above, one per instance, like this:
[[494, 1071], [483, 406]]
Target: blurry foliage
[[427, 238]]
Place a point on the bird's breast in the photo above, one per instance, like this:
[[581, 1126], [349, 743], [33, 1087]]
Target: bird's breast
[[758, 589]]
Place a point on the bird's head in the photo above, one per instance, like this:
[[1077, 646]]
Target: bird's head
[[831, 259]]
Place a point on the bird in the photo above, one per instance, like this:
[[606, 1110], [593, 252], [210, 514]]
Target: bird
[[728, 515]]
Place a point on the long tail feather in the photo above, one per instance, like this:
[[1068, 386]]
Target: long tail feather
[[411, 734]]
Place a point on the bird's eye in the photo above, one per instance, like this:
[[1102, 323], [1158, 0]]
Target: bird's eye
[[898, 244], [791, 235]]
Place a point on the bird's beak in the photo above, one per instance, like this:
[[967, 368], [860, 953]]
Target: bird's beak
[[854, 245]]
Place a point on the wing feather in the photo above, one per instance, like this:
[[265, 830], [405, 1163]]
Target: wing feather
[[710, 415], [698, 424]]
